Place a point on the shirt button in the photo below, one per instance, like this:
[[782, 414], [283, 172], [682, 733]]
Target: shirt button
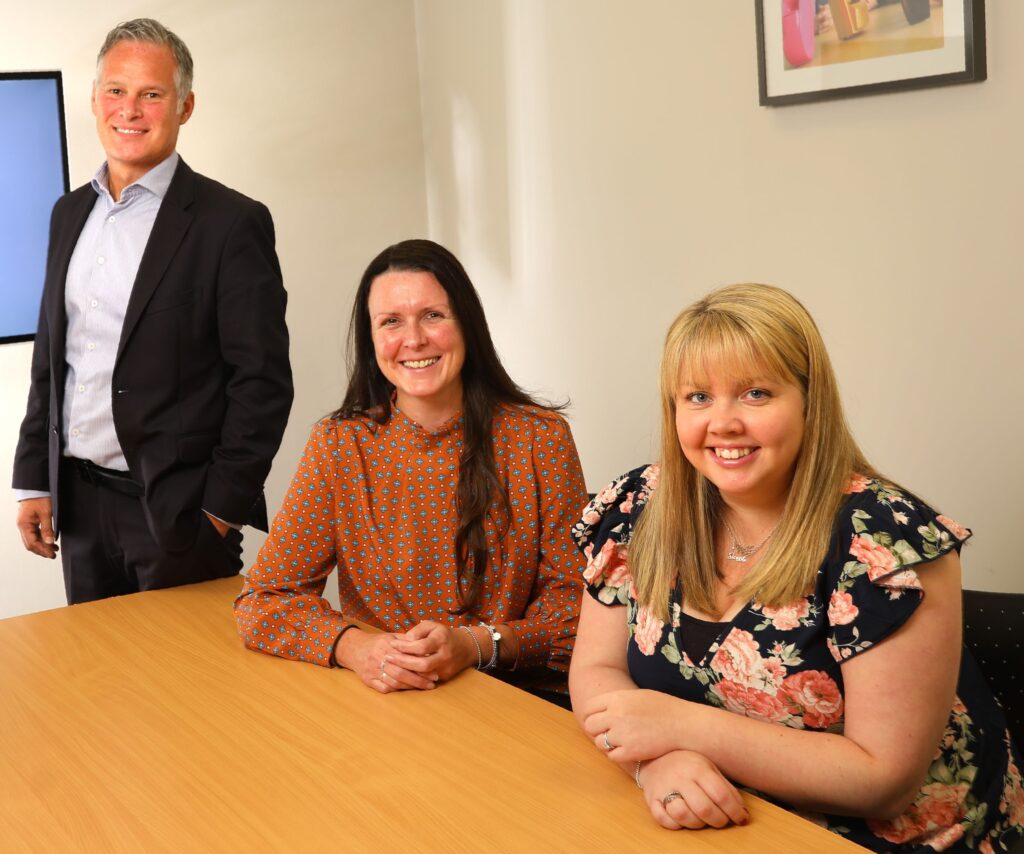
[[91, 346], [94, 303], [111, 218], [74, 432], [101, 260], [81, 388]]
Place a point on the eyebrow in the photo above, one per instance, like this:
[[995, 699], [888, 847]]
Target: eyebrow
[[106, 81], [441, 305], [763, 379]]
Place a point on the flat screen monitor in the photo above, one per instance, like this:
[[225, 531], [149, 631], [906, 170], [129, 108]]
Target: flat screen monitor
[[33, 175]]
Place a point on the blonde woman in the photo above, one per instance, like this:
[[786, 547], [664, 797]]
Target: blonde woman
[[766, 610]]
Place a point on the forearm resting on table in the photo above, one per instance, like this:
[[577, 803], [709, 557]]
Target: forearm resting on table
[[812, 770], [591, 680]]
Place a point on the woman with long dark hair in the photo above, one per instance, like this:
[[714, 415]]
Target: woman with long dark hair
[[441, 490]]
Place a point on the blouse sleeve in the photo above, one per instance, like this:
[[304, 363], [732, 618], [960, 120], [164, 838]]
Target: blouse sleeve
[[604, 532], [884, 539], [548, 627], [281, 609]]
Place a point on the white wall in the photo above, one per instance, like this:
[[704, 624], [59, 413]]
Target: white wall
[[598, 166], [311, 107]]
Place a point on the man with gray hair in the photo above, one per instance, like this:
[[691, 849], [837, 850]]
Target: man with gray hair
[[160, 384]]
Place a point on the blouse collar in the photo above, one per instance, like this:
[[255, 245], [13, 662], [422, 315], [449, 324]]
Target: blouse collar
[[404, 422]]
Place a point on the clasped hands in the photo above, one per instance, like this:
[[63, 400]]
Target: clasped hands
[[682, 788], [419, 659]]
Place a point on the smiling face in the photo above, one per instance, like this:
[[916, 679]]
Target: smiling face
[[418, 344], [742, 431], [135, 103]]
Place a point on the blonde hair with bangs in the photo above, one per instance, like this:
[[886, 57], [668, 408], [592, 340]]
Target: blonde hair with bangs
[[739, 328]]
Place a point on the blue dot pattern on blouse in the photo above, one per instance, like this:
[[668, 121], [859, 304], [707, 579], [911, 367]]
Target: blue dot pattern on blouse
[[379, 501]]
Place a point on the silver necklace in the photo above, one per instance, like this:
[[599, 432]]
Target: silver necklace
[[739, 552]]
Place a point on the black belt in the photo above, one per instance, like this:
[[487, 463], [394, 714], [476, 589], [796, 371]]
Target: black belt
[[119, 481]]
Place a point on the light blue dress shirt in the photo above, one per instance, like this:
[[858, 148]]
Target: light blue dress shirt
[[100, 278]]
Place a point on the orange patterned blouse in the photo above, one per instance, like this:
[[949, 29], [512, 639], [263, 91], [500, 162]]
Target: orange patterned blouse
[[378, 501]]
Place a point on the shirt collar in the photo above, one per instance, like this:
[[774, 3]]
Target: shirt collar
[[156, 180]]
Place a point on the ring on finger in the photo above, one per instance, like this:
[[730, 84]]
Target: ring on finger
[[672, 796], [382, 673], [607, 744]]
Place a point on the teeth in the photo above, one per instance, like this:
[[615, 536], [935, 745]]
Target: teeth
[[731, 453], [420, 363], [127, 130]]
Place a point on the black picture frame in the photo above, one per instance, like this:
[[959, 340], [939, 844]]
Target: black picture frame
[[838, 77]]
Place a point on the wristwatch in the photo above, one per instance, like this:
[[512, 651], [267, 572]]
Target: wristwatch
[[496, 645]]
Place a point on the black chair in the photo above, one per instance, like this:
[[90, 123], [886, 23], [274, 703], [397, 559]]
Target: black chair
[[994, 633]]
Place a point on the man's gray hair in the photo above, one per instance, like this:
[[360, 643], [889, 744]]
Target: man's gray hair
[[153, 32]]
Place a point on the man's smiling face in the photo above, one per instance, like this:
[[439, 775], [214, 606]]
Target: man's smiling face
[[135, 102]]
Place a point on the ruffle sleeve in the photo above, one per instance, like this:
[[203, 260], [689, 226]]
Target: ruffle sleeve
[[884, 537], [604, 532]]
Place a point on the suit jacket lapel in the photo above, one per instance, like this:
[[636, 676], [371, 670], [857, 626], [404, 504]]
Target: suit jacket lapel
[[169, 229], [66, 235]]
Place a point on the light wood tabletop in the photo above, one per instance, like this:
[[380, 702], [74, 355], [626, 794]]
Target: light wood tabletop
[[142, 724]]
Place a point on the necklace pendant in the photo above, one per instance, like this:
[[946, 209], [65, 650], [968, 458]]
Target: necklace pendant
[[737, 556]]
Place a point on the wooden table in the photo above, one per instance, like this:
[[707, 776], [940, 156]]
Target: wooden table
[[142, 724]]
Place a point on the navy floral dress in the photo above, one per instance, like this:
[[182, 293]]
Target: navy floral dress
[[783, 664]]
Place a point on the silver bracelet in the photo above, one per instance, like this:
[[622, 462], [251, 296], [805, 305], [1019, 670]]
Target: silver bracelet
[[636, 775], [495, 641], [476, 643]]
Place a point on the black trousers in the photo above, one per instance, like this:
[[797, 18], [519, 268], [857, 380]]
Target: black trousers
[[107, 548]]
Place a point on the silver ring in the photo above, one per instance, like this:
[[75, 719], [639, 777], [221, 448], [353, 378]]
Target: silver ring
[[672, 796], [382, 673], [607, 744]]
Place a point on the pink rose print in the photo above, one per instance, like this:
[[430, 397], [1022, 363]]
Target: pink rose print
[[841, 610], [609, 567], [774, 673], [940, 804], [940, 840], [937, 809], [627, 505], [591, 517], [788, 616], [879, 559], [1011, 803], [750, 702], [905, 578], [857, 483], [648, 631], [817, 695], [650, 475], [609, 493], [838, 652], [900, 829], [955, 528], [737, 659]]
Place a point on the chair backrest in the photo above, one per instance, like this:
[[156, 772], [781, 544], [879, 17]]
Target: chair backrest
[[994, 633]]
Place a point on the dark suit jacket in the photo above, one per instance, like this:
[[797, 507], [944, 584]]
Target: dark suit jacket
[[202, 384]]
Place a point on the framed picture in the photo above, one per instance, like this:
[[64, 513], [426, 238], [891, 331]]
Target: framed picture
[[811, 50]]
